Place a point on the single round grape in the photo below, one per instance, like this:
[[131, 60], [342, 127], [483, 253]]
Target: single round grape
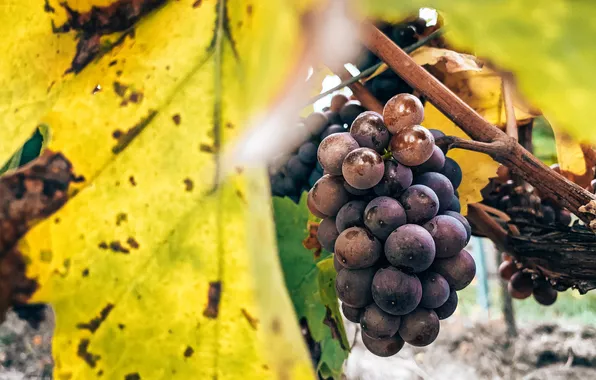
[[452, 171], [327, 234], [420, 202], [383, 347], [437, 134], [434, 164], [448, 308], [401, 111], [331, 130], [337, 102], [521, 285], [336, 264], [454, 205], [459, 270], [333, 150], [449, 235], [420, 328], [316, 122], [315, 175], [435, 290], [379, 324], [312, 208], [370, 132], [307, 153], [353, 286], [355, 191], [544, 294], [350, 215], [289, 186], [412, 145], [564, 217], [329, 194], [384, 88], [334, 118], [440, 185], [396, 179], [507, 269], [363, 168], [462, 219], [352, 314], [357, 248], [548, 215], [410, 247], [396, 292], [297, 169], [403, 35], [383, 215], [350, 111], [277, 185]]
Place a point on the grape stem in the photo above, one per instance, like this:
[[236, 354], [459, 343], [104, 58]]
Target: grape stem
[[493, 141]]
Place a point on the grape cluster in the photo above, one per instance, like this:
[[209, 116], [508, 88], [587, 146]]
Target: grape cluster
[[390, 215], [387, 84], [522, 285], [300, 170]]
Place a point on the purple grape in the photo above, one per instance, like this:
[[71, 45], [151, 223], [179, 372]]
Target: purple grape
[[454, 205], [353, 286], [370, 131], [316, 122], [449, 235], [332, 129], [314, 177], [396, 179], [350, 215], [441, 186], [459, 270], [357, 248], [396, 292], [383, 347], [327, 234], [329, 194], [333, 150], [463, 221], [410, 247], [379, 324], [352, 314], [383, 215], [435, 290], [437, 134], [350, 111], [297, 169], [362, 168], [420, 202], [452, 171], [420, 328], [355, 191], [448, 308], [434, 164], [334, 118], [307, 153], [336, 264]]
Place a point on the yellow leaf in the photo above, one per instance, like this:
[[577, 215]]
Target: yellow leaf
[[156, 268], [569, 152], [446, 60], [477, 168]]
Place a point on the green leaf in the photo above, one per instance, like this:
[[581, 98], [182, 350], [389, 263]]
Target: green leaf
[[310, 279], [549, 46]]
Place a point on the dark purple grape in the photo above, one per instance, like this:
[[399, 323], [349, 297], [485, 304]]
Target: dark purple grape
[[410, 247], [307, 153], [383, 347], [396, 179], [462, 219], [313, 209], [454, 205], [435, 290], [336, 264], [452, 171], [353, 286], [277, 185], [289, 186], [544, 294], [357, 248], [352, 314], [507, 269], [378, 324], [333, 150], [434, 164], [316, 122], [297, 169], [420, 202], [314, 177], [412, 145], [350, 111], [384, 88], [355, 191], [327, 234], [404, 35], [350, 215], [459, 270], [564, 217], [333, 118], [337, 102], [363, 168], [449, 234], [420, 328], [370, 132], [402, 111], [437, 134], [329, 194], [383, 215], [548, 215], [521, 285], [332, 129], [448, 308], [440, 185], [396, 292]]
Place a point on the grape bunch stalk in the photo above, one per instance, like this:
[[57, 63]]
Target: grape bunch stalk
[[391, 216]]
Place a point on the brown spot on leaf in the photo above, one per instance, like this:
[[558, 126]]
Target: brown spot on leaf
[[47, 7], [121, 217], [113, 63], [197, 3], [87, 50], [188, 184], [249, 9], [121, 326], [213, 298], [133, 132], [83, 352], [94, 323], [229, 125], [251, 320], [96, 89], [103, 245], [206, 148], [240, 195], [100, 373], [276, 326], [85, 272], [332, 324], [188, 352], [120, 89], [132, 181], [136, 97], [132, 376], [117, 247], [311, 242], [117, 134], [132, 243], [176, 118]]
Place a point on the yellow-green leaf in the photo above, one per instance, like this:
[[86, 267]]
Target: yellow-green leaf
[[569, 153], [156, 267]]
